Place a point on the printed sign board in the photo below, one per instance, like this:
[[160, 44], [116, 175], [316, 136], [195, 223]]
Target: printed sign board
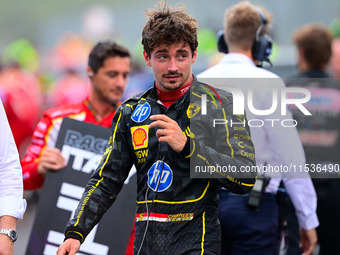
[[83, 145]]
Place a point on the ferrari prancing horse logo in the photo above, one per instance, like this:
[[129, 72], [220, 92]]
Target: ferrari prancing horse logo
[[192, 110]]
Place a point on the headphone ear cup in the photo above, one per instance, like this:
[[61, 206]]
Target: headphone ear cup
[[262, 48], [221, 43]]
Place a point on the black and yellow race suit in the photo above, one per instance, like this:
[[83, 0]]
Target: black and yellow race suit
[[180, 211]]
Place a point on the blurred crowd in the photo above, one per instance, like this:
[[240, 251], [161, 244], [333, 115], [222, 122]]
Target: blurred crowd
[[31, 83]]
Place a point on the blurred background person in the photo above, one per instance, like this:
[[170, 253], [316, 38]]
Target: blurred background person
[[12, 204], [335, 59], [248, 228], [20, 90], [314, 50], [320, 133], [67, 62], [69, 88], [108, 70], [139, 81]]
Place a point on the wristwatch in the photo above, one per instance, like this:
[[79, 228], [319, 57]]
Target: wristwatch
[[11, 233]]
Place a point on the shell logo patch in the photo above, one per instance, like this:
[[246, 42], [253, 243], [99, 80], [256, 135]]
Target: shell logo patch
[[192, 110], [140, 137]]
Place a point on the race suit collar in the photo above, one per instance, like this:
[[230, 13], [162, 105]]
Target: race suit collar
[[168, 98]]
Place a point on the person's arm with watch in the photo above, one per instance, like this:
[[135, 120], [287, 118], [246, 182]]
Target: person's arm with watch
[[8, 234], [12, 204]]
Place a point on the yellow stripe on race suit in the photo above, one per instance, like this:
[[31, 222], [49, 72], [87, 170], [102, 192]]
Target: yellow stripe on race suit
[[209, 101], [228, 177], [203, 233], [247, 184], [82, 237], [100, 172], [227, 130], [193, 149], [129, 105], [177, 202], [113, 145]]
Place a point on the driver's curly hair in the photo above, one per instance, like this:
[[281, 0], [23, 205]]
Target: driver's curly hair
[[169, 26]]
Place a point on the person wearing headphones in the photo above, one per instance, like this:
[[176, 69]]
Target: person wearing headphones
[[250, 223]]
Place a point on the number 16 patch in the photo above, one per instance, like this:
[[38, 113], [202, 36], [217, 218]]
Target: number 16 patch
[[140, 137]]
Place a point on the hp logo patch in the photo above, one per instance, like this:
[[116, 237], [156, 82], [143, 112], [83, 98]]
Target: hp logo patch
[[141, 112], [154, 175]]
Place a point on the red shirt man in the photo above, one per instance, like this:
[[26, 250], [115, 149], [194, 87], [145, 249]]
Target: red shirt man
[[108, 70]]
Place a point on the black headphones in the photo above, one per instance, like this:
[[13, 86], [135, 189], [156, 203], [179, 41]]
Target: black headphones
[[262, 46]]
